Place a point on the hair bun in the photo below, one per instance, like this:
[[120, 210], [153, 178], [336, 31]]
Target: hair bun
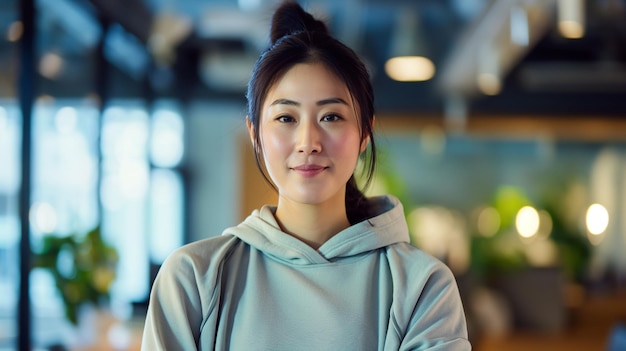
[[290, 18]]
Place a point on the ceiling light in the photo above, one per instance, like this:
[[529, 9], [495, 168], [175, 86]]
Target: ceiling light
[[410, 68], [408, 62], [571, 17]]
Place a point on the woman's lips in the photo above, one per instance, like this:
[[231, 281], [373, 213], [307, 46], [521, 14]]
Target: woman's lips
[[308, 171]]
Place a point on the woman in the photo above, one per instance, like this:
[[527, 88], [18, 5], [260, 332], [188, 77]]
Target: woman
[[326, 268]]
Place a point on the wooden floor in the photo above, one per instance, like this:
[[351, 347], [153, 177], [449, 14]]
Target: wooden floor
[[588, 330]]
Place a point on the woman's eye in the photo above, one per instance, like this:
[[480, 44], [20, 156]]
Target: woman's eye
[[331, 117], [285, 119]]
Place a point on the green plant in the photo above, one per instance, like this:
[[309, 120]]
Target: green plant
[[83, 267], [500, 252], [504, 252], [574, 248]]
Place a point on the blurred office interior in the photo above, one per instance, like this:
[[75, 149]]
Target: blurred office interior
[[501, 126]]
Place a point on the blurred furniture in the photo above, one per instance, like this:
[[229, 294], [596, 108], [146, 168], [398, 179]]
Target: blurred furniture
[[593, 326]]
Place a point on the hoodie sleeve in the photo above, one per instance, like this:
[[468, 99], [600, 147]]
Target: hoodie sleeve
[[174, 313], [183, 300], [431, 316]]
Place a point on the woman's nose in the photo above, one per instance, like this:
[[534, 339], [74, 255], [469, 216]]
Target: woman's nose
[[309, 138]]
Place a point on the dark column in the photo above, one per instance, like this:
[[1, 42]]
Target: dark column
[[26, 91]]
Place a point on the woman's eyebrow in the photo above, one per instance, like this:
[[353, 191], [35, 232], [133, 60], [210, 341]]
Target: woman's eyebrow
[[333, 100], [284, 102]]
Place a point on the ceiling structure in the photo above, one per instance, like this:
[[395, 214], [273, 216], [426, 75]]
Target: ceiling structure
[[491, 56]]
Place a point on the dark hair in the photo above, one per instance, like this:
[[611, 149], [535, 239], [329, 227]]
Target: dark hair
[[297, 37]]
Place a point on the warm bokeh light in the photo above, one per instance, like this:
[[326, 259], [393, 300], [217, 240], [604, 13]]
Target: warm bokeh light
[[15, 31], [571, 18], [45, 99], [50, 65], [489, 84], [542, 253], [488, 222], [442, 233], [527, 222], [571, 29], [545, 224], [597, 219], [410, 68], [430, 227]]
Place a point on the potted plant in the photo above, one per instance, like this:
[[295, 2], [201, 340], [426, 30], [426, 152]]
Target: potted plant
[[535, 292], [83, 266]]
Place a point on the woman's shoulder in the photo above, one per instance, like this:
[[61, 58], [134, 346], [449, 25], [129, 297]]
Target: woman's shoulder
[[200, 256], [426, 294], [416, 263], [202, 246]]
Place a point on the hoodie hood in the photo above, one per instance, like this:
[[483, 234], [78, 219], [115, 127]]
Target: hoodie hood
[[261, 231]]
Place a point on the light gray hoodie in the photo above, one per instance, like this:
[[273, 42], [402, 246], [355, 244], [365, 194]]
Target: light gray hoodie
[[258, 288]]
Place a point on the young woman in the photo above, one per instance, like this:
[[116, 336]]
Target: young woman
[[326, 268]]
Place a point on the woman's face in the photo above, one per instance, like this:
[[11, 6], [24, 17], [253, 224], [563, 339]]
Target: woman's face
[[310, 136]]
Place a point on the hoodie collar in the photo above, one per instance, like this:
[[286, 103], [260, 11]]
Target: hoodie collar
[[261, 231]]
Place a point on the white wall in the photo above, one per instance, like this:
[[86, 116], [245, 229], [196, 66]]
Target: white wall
[[214, 132], [608, 187]]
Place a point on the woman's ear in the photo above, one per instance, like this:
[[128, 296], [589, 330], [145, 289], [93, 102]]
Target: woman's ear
[[250, 129], [366, 140], [364, 143]]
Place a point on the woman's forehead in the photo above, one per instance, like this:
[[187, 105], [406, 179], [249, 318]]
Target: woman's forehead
[[308, 83]]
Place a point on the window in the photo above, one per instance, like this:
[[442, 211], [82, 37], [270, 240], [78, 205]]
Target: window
[[10, 132], [141, 198]]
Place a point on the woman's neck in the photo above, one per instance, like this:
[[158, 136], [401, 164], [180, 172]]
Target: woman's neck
[[312, 224]]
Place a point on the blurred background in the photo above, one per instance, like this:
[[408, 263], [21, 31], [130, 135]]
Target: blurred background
[[501, 126]]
